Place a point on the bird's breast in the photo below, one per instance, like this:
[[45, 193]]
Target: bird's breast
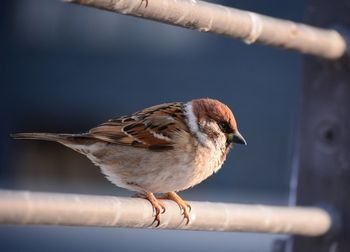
[[140, 169]]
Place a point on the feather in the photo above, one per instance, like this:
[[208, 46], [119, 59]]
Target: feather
[[154, 128], [61, 138]]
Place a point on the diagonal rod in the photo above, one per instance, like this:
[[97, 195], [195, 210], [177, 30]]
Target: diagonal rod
[[247, 26]]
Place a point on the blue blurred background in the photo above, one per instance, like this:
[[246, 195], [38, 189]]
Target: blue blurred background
[[67, 68]]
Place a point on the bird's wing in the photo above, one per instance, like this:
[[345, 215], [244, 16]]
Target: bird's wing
[[154, 128]]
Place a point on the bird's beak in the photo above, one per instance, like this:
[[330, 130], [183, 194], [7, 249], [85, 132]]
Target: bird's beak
[[236, 138]]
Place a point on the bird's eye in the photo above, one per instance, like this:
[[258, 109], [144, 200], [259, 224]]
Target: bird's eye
[[225, 127]]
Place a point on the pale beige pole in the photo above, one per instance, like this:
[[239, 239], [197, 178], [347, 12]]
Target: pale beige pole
[[24, 208], [248, 26]]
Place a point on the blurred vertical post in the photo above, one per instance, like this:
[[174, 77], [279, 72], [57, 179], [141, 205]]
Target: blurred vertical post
[[322, 162]]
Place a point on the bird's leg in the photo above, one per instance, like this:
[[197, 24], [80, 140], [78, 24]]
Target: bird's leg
[[184, 206], [158, 206]]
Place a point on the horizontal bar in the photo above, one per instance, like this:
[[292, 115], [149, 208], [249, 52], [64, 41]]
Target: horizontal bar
[[248, 26], [24, 207]]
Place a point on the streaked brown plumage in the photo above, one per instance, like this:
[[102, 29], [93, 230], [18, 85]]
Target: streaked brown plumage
[[162, 149]]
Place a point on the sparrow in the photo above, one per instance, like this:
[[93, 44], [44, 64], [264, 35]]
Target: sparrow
[[162, 149]]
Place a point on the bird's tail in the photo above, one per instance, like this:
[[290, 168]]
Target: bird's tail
[[77, 142], [61, 138], [39, 136]]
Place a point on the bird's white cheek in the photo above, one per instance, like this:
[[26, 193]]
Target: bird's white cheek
[[211, 134]]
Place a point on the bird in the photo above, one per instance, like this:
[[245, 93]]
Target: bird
[[160, 150]]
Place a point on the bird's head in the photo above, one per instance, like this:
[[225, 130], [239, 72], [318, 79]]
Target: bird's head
[[215, 121]]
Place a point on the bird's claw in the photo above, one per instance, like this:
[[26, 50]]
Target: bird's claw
[[186, 209], [186, 212], [157, 205], [184, 206], [145, 4]]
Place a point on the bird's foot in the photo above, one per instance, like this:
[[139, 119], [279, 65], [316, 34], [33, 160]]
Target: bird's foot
[[184, 206], [158, 206]]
